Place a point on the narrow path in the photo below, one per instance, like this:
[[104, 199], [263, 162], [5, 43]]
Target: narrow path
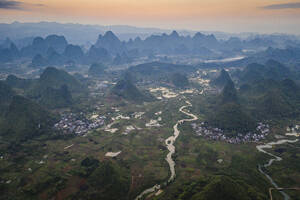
[[170, 146]]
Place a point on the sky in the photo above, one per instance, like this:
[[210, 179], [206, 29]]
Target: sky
[[265, 16]]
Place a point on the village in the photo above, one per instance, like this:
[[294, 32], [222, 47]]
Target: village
[[217, 134], [78, 124]]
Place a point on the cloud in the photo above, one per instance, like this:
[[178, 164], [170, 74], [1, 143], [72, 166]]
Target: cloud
[[17, 5], [282, 6], [13, 5]]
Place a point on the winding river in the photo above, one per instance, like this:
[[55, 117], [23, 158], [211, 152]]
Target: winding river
[[261, 148], [170, 146], [269, 145]]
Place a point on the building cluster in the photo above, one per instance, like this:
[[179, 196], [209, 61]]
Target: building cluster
[[217, 134], [3, 76], [293, 128], [78, 125]]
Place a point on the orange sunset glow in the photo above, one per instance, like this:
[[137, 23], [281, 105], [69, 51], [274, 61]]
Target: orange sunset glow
[[227, 15]]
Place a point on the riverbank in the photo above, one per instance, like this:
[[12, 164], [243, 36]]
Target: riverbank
[[171, 148], [270, 145]]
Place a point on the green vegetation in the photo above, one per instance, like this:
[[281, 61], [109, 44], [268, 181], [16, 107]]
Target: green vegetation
[[206, 156], [56, 98], [179, 80], [231, 118], [229, 114], [218, 187], [40, 163], [97, 70], [6, 94], [55, 78], [25, 119], [271, 99], [20, 117], [229, 93], [271, 70], [16, 82], [252, 73], [39, 61], [128, 91], [112, 183], [157, 71], [222, 79], [55, 88], [257, 99]]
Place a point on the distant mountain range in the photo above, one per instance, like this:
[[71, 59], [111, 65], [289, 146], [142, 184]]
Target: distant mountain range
[[22, 32], [74, 32], [109, 48], [288, 55]]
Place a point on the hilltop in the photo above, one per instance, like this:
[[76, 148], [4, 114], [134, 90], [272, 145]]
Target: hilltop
[[21, 118], [229, 114], [222, 79], [270, 70], [128, 91], [179, 80], [54, 89], [158, 71], [25, 119], [52, 77]]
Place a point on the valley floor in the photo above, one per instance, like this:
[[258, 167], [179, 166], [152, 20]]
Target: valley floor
[[133, 141]]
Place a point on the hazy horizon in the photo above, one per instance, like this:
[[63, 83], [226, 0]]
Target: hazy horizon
[[264, 16], [159, 29]]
